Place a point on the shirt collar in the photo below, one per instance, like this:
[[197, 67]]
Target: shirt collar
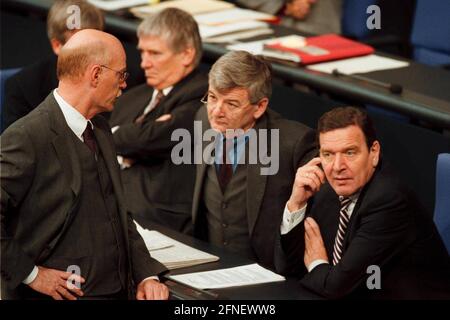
[[165, 91], [75, 120]]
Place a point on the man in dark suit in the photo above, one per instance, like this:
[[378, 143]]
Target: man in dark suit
[[238, 203], [365, 235], [62, 207], [144, 119], [29, 87]]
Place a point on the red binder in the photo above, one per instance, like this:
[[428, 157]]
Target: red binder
[[323, 48]]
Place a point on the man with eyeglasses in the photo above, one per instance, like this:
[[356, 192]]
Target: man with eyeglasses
[[236, 206], [65, 231], [157, 190]]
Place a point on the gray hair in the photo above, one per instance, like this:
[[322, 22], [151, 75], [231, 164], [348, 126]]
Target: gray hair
[[244, 70], [177, 27]]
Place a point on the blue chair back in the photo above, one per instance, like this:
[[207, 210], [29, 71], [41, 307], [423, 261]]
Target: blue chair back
[[4, 75], [354, 17], [442, 203], [431, 32]]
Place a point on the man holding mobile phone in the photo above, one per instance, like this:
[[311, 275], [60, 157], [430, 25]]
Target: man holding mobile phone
[[349, 213]]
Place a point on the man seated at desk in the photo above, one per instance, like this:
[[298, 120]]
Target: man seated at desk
[[144, 119], [238, 203], [28, 88], [358, 230]]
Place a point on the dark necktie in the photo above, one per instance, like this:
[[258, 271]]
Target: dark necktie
[[225, 170], [343, 224], [153, 105], [89, 138]]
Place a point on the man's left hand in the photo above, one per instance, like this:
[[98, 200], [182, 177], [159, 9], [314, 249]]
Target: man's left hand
[[150, 289], [314, 247]]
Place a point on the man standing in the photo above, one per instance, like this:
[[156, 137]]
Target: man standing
[[365, 235], [236, 205], [28, 88], [156, 189], [61, 194]]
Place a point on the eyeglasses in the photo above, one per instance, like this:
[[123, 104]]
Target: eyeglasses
[[211, 100], [123, 75]]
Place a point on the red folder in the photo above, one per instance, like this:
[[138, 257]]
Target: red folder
[[323, 48]]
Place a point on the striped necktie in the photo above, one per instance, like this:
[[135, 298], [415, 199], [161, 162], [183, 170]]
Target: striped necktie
[[343, 224]]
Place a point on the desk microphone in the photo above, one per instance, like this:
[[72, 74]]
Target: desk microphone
[[393, 88]]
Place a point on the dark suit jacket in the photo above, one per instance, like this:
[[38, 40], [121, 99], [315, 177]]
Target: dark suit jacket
[[40, 174], [28, 88], [266, 194], [155, 188], [388, 228]]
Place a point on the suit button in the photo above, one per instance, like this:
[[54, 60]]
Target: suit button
[[224, 205], [225, 243]]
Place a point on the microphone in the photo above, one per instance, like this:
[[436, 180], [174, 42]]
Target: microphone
[[393, 88]]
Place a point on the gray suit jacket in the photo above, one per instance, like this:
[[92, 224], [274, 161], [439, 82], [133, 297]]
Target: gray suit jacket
[[266, 194], [40, 175]]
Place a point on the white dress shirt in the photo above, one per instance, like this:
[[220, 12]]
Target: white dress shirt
[[292, 219]]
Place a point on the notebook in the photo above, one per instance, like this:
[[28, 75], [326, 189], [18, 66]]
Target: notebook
[[322, 48]]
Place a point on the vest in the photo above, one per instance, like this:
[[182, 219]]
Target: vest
[[226, 213]]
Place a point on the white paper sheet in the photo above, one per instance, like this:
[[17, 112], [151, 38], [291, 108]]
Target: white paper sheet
[[193, 7], [359, 65], [111, 5], [171, 253], [257, 47], [213, 31], [235, 36], [231, 277], [231, 15]]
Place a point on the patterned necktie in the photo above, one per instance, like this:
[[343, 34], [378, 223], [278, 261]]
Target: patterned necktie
[[89, 138], [225, 170], [343, 224], [153, 104]]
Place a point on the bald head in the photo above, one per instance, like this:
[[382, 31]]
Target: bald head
[[85, 48]]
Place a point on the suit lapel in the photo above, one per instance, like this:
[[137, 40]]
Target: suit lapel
[[200, 171], [256, 182], [63, 144]]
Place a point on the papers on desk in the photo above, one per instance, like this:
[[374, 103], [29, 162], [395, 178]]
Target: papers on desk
[[192, 6], [111, 5], [365, 64], [231, 16], [257, 47], [171, 253], [207, 31], [231, 277]]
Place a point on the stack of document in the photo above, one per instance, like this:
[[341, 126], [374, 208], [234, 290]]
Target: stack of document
[[218, 21], [191, 6], [112, 5], [258, 48], [171, 253], [232, 277]]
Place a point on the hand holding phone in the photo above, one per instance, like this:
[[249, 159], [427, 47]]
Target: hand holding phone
[[308, 180]]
